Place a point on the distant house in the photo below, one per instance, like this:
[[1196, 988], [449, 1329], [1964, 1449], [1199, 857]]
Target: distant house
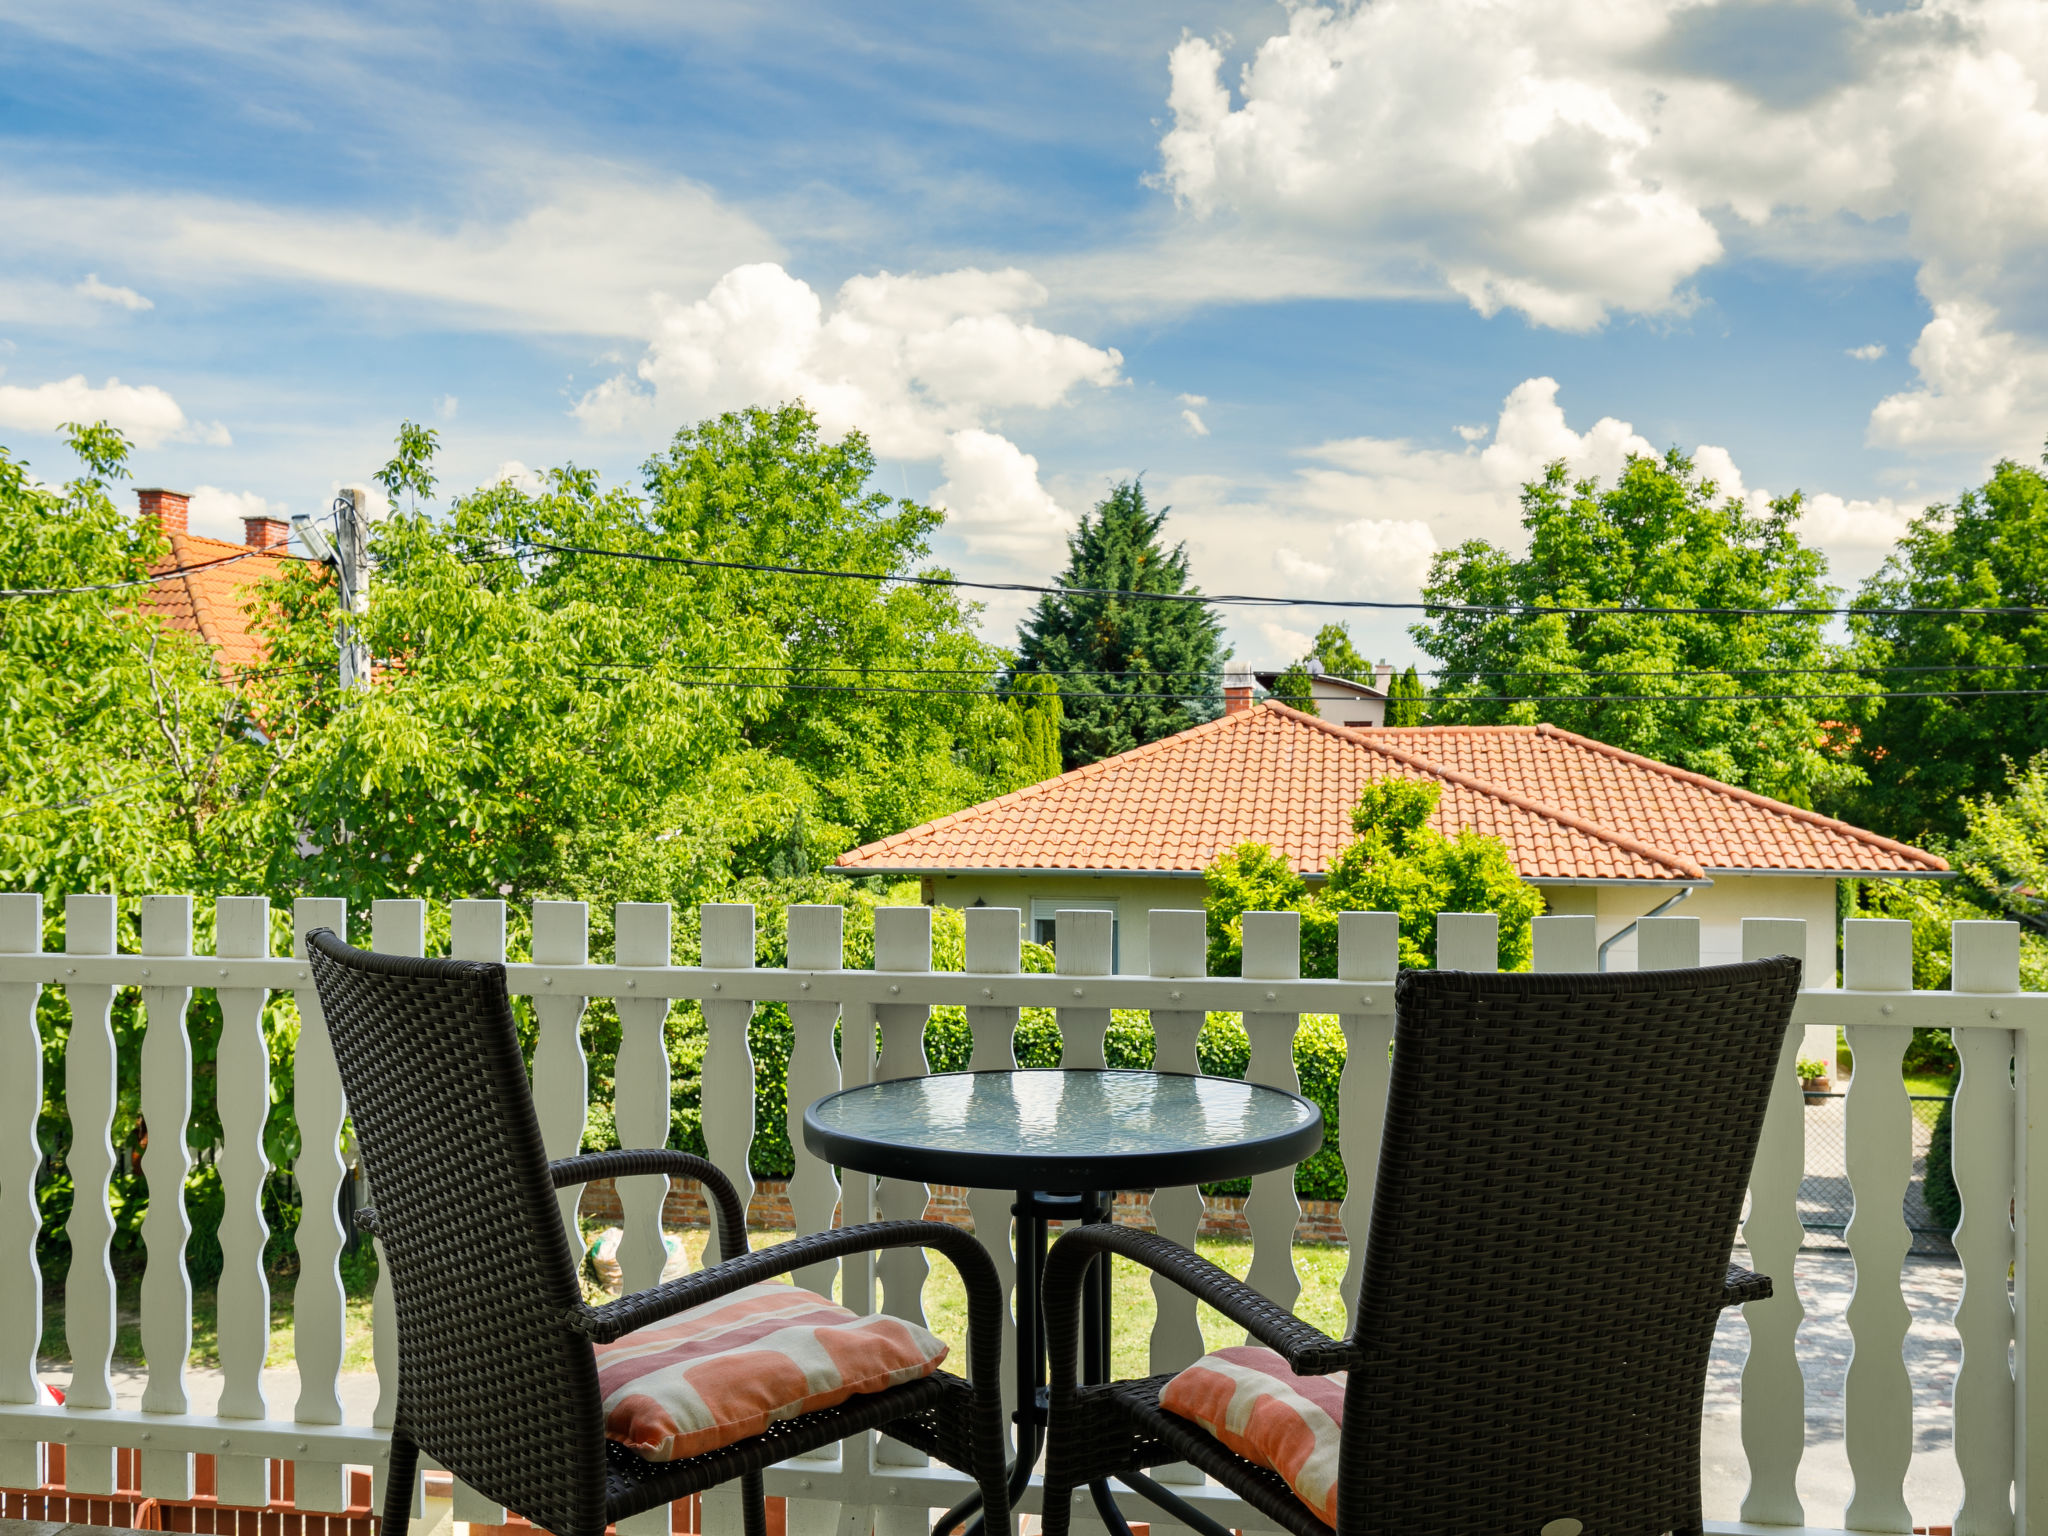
[[1340, 700], [1600, 831], [211, 598]]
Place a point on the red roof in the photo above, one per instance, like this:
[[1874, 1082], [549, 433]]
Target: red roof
[[212, 602], [1568, 808]]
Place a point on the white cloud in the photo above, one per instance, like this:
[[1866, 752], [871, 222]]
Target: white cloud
[[909, 360], [1195, 423], [1573, 158], [577, 248], [446, 407], [108, 293], [146, 413], [993, 500], [218, 513], [1867, 354], [519, 477], [1196, 401], [1857, 535]]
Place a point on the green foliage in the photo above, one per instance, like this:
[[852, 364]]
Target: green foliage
[[2004, 851], [1336, 655], [410, 472], [1036, 699], [1709, 692], [1396, 863], [1987, 550], [1294, 689], [1140, 669], [1405, 700]]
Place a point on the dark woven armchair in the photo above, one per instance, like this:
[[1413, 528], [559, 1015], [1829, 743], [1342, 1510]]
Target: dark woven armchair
[[496, 1376], [1560, 1176]]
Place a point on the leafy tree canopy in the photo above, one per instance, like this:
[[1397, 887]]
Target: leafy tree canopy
[[1336, 655], [1134, 670], [1405, 700], [1987, 550], [1295, 689], [1715, 693], [1396, 862]]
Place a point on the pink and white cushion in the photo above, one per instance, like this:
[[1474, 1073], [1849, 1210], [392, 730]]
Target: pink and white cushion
[[1247, 1397], [724, 1371]]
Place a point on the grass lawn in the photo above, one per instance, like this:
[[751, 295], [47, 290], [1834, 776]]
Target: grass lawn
[[205, 1326]]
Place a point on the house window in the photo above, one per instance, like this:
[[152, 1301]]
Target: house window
[[1045, 922]]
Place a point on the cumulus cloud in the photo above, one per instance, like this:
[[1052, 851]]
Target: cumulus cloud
[[109, 293], [1867, 354], [993, 499], [1194, 422], [1569, 160], [515, 474], [446, 407], [910, 360], [218, 513], [146, 413]]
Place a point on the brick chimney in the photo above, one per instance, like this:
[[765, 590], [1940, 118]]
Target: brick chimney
[[265, 532], [1237, 688], [166, 509]]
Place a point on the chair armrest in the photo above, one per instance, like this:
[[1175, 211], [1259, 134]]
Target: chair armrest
[[1742, 1286], [725, 1200], [1307, 1350]]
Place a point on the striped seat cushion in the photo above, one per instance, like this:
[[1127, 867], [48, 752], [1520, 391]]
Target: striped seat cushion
[[1246, 1397], [724, 1371]]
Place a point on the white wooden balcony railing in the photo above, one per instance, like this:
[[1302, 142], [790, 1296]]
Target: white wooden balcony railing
[[2000, 1152]]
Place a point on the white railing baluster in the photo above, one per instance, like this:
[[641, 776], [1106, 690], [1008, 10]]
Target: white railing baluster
[[2030, 1284], [398, 926], [995, 947], [167, 1111], [241, 929], [903, 942], [89, 929], [640, 1096], [1467, 941], [21, 1160], [1180, 950], [1272, 952], [816, 943], [1084, 945], [1368, 953], [1877, 1397], [1773, 1387], [1560, 944], [319, 1316], [1984, 957], [728, 1073], [561, 1072], [857, 1030], [1667, 943]]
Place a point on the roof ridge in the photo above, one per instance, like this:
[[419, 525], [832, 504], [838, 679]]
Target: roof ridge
[[1933, 862], [1043, 786], [1520, 801]]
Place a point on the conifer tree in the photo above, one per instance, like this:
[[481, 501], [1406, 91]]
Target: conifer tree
[[1404, 699], [1133, 670]]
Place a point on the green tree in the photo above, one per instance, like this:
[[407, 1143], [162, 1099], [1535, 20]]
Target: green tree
[[1405, 699], [1138, 669], [1294, 688], [1396, 862], [1336, 655], [1036, 699], [1928, 747], [1719, 694]]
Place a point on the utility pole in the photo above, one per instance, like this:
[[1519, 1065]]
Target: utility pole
[[348, 556]]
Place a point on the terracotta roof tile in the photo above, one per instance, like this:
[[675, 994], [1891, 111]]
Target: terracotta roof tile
[[213, 603], [1721, 826], [1268, 775]]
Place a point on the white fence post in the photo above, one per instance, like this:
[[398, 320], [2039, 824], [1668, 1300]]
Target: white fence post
[[241, 931], [1368, 955], [21, 1158], [561, 1072], [1272, 952], [1667, 943], [1568, 943], [89, 929], [816, 943], [995, 937], [319, 1316], [640, 1095], [167, 1111]]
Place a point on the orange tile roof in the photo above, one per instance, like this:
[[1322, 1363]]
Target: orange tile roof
[[213, 602], [1723, 827], [1270, 775]]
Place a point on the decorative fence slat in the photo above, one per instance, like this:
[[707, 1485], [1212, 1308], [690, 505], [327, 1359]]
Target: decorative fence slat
[[397, 927], [1368, 953], [561, 1073], [319, 1319], [1180, 949], [728, 1074], [166, 1161], [1567, 943], [1467, 941], [1272, 952], [21, 1157], [994, 947], [640, 1101], [89, 929], [816, 942], [1984, 957], [1877, 1397], [2030, 1284], [1773, 1388], [1667, 943], [241, 928]]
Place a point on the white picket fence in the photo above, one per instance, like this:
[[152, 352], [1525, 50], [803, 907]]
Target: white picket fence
[[2000, 1150]]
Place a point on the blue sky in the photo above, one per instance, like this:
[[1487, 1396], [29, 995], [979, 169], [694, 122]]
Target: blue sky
[[1334, 279]]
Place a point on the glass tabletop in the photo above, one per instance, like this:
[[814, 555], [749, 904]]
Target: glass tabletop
[[1063, 1128]]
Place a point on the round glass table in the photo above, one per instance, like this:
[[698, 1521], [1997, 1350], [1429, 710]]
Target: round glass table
[[1065, 1140]]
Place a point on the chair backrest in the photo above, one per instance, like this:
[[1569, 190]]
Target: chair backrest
[[492, 1382], [1560, 1177]]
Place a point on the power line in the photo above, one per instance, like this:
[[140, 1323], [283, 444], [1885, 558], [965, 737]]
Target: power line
[[1248, 600]]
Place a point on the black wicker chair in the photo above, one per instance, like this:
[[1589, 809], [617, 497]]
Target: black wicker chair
[[496, 1376], [1560, 1176]]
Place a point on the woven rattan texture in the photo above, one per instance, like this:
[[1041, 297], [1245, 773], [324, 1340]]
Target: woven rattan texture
[[1531, 1348], [496, 1376]]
